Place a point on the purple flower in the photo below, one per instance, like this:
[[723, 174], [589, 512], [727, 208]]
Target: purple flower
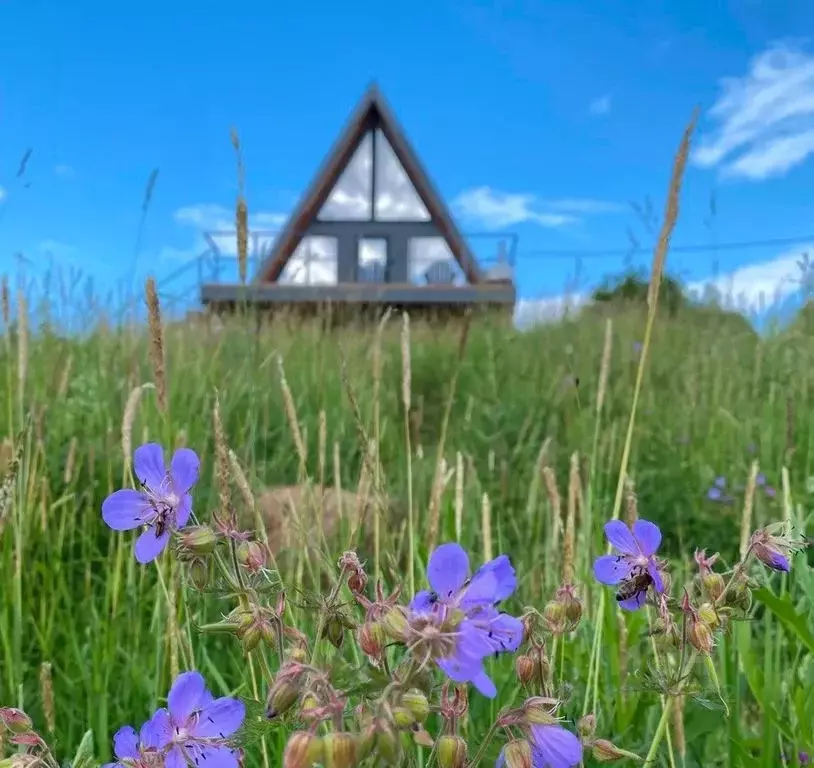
[[194, 728], [460, 616], [636, 567], [128, 750], [163, 503], [552, 746], [718, 491]]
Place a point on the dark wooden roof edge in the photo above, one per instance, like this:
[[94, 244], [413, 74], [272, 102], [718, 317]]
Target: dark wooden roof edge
[[372, 111]]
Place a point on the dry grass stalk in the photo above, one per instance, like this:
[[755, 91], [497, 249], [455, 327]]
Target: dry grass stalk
[[337, 465], [323, 446], [22, 343], [631, 502], [156, 343], [459, 495], [291, 417], [13, 469], [604, 369], [245, 489], [435, 501], [550, 482], [486, 525], [671, 214], [570, 521], [363, 495], [377, 406], [242, 210], [748, 505], [679, 734], [406, 390], [5, 301], [65, 378], [44, 490], [47, 696], [221, 463], [129, 419], [406, 364], [786, 486], [70, 461], [534, 485]]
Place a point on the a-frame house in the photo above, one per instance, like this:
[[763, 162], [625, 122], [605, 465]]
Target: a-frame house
[[371, 230]]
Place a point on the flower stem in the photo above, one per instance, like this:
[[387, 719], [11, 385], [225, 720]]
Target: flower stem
[[660, 731], [484, 745]]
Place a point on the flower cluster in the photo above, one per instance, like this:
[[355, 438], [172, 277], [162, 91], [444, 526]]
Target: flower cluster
[[193, 729]]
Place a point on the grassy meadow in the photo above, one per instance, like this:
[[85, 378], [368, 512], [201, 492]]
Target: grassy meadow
[[87, 639], [685, 417]]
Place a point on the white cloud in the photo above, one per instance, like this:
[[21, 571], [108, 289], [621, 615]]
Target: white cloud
[[531, 312], [764, 119], [495, 209], [601, 105], [64, 170], [56, 249], [755, 287], [3, 194], [219, 222]]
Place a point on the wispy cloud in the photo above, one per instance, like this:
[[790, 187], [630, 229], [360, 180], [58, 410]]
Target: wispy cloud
[[218, 222], [3, 194], [550, 309], [601, 105], [494, 209], [758, 286], [765, 118], [64, 170]]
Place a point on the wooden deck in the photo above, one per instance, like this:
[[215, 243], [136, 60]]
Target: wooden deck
[[401, 295]]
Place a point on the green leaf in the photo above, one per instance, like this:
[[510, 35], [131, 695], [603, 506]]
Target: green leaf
[[84, 754], [784, 610]]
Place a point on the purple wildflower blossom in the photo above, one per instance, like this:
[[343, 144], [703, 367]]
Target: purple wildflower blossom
[[128, 750], [194, 727], [552, 746], [465, 608], [163, 503], [637, 547]]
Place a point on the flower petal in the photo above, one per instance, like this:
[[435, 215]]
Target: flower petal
[[149, 546], [185, 696], [125, 743], [125, 510], [655, 574], [555, 746], [501, 759], [156, 733], [611, 569], [503, 571], [175, 758], [635, 602], [219, 719], [484, 685], [184, 510], [148, 465], [448, 569], [648, 537], [504, 633], [184, 469], [621, 537], [422, 602], [213, 756]]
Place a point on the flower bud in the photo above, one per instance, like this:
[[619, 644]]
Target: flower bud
[[709, 615], [554, 617], [394, 623], [586, 727], [517, 754], [524, 668], [339, 750], [537, 711], [198, 540], [15, 720], [198, 571], [605, 752], [403, 718], [281, 697], [302, 750], [700, 636], [252, 555], [371, 637], [250, 638], [451, 752], [334, 631], [713, 584], [417, 703], [388, 744]]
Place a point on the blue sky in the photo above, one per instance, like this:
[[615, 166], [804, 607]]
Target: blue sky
[[542, 118]]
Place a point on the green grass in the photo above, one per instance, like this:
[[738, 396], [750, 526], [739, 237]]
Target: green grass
[[713, 400]]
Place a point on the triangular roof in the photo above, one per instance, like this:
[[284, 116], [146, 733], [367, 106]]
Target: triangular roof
[[372, 112]]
